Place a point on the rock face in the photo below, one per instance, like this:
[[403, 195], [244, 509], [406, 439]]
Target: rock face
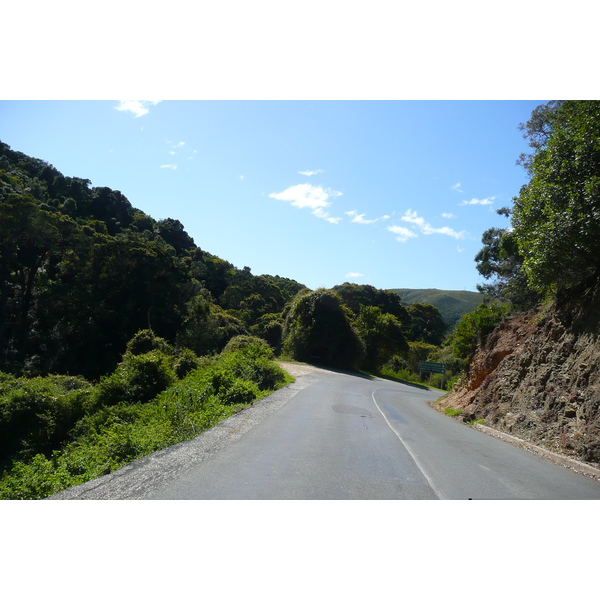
[[537, 376]]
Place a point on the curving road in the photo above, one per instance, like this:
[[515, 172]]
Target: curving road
[[338, 436]]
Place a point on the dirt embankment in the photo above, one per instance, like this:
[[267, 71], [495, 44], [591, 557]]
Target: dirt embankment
[[537, 377]]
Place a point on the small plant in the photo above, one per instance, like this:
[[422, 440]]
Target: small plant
[[453, 412]]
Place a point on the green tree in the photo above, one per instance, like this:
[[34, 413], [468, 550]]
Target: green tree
[[382, 335], [473, 328], [501, 263], [207, 327], [556, 217], [318, 330], [28, 238], [174, 234], [427, 324], [355, 296]]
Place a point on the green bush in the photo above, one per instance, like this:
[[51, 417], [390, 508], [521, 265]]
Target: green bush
[[318, 329], [36, 414], [240, 392], [145, 341], [253, 363], [474, 327], [248, 342], [185, 362], [138, 378]]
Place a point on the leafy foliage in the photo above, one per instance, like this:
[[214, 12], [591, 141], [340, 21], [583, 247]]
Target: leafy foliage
[[318, 329], [556, 217], [474, 327], [382, 334], [81, 271], [356, 296], [67, 436], [427, 324]]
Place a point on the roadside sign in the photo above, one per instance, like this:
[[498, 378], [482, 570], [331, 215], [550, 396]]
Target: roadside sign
[[431, 367]]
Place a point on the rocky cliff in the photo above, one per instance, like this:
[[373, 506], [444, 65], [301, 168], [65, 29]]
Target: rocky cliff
[[537, 377]]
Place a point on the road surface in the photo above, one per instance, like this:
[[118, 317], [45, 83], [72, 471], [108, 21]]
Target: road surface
[[337, 436]]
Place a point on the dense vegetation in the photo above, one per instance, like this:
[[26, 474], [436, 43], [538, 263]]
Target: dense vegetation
[[119, 335], [58, 431]]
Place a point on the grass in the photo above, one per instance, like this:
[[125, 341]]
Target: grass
[[453, 412]]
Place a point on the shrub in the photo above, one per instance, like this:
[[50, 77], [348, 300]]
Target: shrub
[[248, 342], [138, 378], [36, 414], [145, 341], [474, 327], [185, 362], [231, 389]]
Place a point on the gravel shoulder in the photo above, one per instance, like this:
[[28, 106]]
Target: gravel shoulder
[[137, 480]]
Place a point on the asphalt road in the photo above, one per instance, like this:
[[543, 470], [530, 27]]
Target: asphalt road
[[338, 436]]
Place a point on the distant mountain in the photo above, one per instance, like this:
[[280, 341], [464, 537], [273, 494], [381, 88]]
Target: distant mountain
[[452, 304]]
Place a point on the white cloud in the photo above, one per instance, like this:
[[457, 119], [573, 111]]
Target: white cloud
[[309, 196], [428, 230], [483, 202], [411, 216], [402, 233], [448, 216], [456, 188], [175, 146], [459, 249], [137, 107], [174, 167], [354, 275], [309, 173], [356, 218]]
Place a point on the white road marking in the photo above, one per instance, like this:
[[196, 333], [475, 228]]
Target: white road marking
[[409, 450]]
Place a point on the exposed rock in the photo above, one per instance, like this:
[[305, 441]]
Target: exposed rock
[[537, 376]]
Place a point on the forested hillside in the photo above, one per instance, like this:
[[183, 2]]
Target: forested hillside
[[82, 270], [452, 304]]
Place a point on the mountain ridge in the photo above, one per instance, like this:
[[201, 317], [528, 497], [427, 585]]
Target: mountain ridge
[[452, 304]]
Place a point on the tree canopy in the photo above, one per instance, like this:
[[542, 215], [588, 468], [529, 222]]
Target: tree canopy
[[556, 216]]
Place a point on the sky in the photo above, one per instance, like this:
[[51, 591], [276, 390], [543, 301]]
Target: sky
[[390, 193]]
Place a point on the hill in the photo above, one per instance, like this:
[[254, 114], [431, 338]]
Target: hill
[[452, 304]]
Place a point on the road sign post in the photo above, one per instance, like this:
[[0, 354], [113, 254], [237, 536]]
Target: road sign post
[[432, 367]]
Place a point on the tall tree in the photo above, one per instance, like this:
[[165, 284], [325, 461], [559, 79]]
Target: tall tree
[[382, 334], [556, 217], [427, 324], [501, 263], [318, 330]]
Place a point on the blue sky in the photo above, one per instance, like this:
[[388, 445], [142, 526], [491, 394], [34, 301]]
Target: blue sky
[[386, 193]]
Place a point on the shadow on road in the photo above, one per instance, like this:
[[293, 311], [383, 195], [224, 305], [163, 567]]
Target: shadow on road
[[367, 376]]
